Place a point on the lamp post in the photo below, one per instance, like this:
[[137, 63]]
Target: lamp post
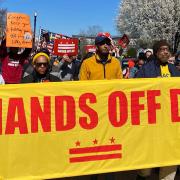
[[34, 35]]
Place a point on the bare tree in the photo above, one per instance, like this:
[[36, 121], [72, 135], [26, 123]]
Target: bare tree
[[3, 13], [88, 36], [91, 31]]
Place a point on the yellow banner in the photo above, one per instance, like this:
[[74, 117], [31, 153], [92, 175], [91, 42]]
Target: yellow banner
[[65, 129]]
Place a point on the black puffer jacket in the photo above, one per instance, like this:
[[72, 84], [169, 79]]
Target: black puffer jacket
[[152, 70], [36, 78]]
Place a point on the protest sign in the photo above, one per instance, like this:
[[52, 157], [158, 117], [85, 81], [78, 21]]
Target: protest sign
[[18, 31], [90, 48], [66, 46], [124, 41]]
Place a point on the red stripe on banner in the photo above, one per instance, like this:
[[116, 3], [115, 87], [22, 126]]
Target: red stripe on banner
[[66, 45], [95, 158], [105, 148]]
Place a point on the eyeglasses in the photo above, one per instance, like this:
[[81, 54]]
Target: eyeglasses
[[106, 41], [41, 64], [162, 49]]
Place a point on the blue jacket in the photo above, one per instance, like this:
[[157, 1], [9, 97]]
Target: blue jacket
[[152, 70]]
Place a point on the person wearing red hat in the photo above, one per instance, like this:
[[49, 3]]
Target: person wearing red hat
[[101, 65]]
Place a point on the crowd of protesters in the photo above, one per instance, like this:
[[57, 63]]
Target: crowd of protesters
[[17, 63], [20, 66]]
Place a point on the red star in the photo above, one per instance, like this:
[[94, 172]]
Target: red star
[[78, 143], [112, 140], [95, 141]]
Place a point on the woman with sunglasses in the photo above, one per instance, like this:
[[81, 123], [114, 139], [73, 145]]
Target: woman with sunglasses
[[41, 72]]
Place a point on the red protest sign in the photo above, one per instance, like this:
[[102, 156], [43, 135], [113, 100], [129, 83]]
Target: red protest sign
[[90, 48], [66, 46], [124, 41]]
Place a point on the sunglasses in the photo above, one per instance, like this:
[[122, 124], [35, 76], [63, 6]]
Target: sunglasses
[[106, 41], [42, 64]]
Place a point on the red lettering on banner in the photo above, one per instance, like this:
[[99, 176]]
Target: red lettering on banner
[[38, 114], [136, 107], [83, 121], [65, 111], [174, 93], [112, 108], [16, 105], [60, 113], [152, 105]]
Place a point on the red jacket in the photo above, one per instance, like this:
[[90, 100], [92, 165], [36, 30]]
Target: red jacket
[[12, 64]]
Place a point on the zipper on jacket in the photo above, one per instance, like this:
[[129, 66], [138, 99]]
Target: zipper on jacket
[[104, 66]]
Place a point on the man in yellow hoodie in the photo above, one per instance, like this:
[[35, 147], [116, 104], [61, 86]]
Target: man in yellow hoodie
[[101, 65]]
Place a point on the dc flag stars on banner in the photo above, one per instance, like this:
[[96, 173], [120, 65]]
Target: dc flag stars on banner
[[88, 127], [95, 152]]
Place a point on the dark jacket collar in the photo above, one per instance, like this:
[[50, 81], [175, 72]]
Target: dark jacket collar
[[98, 59]]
